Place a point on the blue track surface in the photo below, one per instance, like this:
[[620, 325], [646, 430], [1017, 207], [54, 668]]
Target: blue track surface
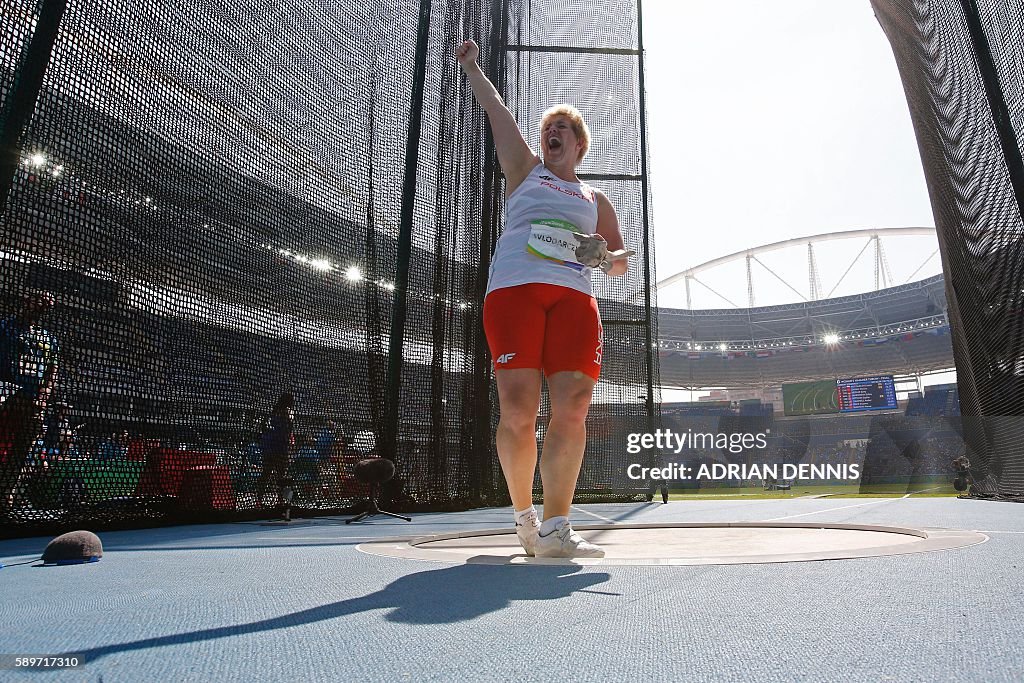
[[245, 602]]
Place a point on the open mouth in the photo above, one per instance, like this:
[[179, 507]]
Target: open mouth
[[554, 143]]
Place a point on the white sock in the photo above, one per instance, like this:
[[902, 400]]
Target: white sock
[[521, 515], [551, 524]]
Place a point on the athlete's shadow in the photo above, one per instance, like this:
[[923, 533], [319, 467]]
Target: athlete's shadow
[[436, 596]]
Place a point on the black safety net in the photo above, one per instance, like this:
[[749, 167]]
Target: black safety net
[[962, 65], [211, 205]]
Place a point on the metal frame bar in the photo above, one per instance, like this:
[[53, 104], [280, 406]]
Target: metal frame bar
[[610, 176], [15, 117], [650, 351], [576, 50], [396, 340]]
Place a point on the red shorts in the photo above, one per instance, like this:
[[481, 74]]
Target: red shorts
[[548, 327]]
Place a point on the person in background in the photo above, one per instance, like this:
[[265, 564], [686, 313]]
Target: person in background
[[326, 439], [29, 356], [305, 468], [329, 445], [277, 443], [114, 447], [58, 435], [305, 449]]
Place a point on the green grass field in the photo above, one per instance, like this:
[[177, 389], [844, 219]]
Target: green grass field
[[933, 489]]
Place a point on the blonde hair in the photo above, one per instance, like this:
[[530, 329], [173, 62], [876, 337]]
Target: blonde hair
[[579, 126]]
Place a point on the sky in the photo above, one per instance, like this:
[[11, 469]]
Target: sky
[[774, 120]]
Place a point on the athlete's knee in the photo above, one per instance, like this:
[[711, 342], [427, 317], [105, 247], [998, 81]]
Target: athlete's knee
[[519, 398], [518, 415], [518, 406], [571, 407]]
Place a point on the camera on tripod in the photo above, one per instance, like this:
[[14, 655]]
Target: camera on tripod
[[963, 474]]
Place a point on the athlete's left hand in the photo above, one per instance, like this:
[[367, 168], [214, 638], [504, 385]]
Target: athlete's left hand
[[592, 250]]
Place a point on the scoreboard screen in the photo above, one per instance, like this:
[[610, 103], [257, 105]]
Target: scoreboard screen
[[810, 398], [866, 393]]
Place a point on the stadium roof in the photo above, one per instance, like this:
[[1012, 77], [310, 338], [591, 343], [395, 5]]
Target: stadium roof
[[898, 330], [808, 268]]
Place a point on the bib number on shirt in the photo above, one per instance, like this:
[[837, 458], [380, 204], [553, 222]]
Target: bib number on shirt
[[555, 240]]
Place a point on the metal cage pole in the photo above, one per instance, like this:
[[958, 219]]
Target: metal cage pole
[[21, 101], [646, 227], [396, 340], [484, 486]]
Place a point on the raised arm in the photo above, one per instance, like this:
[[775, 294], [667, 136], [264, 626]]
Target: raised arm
[[514, 155]]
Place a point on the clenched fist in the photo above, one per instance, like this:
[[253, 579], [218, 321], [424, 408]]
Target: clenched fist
[[467, 53], [592, 250]]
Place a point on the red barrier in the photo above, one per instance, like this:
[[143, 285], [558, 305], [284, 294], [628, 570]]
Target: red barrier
[[207, 487], [165, 468], [138, 448]]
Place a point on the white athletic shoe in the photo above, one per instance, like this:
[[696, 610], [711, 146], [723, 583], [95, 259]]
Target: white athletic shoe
[[527, 532], [564, 542]]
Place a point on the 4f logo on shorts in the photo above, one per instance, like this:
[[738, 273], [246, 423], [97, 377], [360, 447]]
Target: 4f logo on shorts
[[505, 358]]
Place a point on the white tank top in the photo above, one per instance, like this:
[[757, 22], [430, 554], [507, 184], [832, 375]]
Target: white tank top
[[543, 207]]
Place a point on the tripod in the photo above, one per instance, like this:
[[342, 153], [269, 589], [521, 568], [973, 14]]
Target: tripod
[[372, 509]]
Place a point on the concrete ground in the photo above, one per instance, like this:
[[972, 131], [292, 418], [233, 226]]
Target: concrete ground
[[249, 602]]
